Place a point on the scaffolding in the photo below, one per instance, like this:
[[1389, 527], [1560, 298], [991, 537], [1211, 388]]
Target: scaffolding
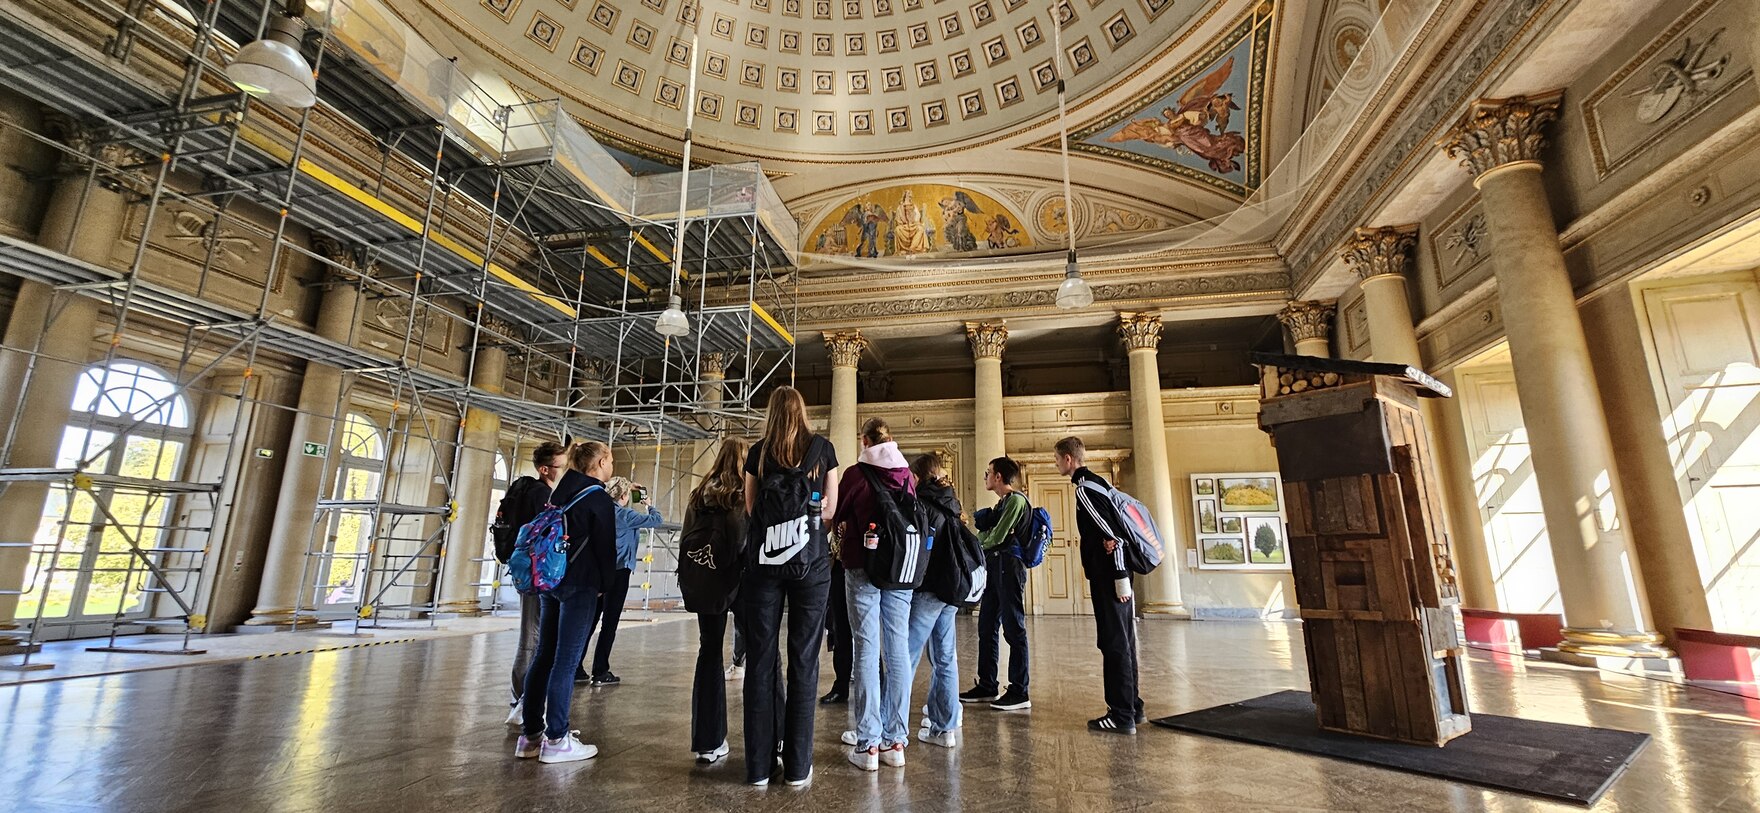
[[453, 204]]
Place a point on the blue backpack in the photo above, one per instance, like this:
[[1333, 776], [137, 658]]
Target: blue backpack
[[1037, 537], [540, 553]]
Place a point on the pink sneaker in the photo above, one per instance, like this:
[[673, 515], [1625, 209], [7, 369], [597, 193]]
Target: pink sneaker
[[527, 747]]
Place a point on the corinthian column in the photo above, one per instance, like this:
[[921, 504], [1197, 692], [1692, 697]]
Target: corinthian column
[[988, 440], [466, 538], [1310, 326], [846, 349], [304, 479], [1380, 257], [1500, 142], [1141, 333], [48, 343]]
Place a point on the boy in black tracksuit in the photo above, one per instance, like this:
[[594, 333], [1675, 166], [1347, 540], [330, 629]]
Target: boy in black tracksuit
[[1115, 626]]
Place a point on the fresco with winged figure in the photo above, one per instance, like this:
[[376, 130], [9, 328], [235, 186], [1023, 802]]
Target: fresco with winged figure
[[1202, 122], [917, 219]]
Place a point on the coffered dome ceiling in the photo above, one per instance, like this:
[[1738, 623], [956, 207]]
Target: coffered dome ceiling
[[1172, 118]]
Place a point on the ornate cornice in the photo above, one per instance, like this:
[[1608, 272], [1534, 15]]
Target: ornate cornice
[[846, 347], [1381, 252], [1014, 301], [987, 338], [1308, 320], [1496, 132], [1140, 331]]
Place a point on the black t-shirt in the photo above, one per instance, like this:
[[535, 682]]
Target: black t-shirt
[[819, 447]]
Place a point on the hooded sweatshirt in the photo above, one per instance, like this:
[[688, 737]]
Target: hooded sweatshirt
[[856, 506]]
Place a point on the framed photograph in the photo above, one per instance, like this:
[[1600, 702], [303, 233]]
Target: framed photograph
[[1239, 521], [1207, 516], [1243, 494], [1222, 551], [1265, 545]]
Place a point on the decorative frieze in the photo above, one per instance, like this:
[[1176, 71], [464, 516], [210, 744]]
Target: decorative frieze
[[987, 338], [1381, 252], [846, 347], [1140, 331], [1308, 320], [1014, 301], [1496, 132]]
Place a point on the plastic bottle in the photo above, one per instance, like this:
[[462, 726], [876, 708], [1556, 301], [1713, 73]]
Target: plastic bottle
[[815, 514], [871, 539]]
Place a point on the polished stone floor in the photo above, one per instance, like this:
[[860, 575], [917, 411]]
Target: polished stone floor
[[417, 726]]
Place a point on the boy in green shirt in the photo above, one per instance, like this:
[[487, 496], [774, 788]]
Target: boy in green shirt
[[1004, 603]]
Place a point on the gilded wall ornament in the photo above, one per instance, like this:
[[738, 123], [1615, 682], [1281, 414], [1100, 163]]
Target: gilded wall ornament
[[1496, 132], [1381, 252]]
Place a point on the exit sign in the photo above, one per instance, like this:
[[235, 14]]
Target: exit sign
[[316, 449]]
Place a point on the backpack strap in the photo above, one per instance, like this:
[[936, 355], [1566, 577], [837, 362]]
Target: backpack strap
[[566, 508]]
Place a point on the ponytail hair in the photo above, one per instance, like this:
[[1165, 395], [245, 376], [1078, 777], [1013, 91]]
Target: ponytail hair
[[875, 431]]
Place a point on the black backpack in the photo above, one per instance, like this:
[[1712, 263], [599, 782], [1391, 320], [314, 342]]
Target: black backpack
[[787, 538], [709, 562], [906, 536], [505, 529], [956, 564]]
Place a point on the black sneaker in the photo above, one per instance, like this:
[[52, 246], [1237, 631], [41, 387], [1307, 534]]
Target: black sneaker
[[977, 694], [1107, 724], [605, 679], [581, 676], [1142, 719], [1012, 700], [834, 697]]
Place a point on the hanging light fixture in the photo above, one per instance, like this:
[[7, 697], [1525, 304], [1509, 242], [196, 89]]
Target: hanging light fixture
[[272, 68], [672, 321], [1074, 291]]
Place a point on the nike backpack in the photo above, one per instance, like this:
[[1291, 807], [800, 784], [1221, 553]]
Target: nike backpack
[[787, 531], [956, 572], [1139, 539], [540, 556], [906, 536]]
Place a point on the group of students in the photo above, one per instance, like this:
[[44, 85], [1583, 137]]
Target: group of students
[[769, 532]]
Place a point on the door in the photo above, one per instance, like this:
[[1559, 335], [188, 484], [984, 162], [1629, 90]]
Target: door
[[1057, 586], [1707, 340], [1508, 494]]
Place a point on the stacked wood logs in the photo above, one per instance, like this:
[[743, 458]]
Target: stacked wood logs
[[1289, 382]]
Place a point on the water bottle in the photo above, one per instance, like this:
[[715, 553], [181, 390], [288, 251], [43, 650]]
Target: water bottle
[[871, 539], [815, 514]]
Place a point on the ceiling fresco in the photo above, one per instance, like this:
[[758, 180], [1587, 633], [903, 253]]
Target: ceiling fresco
[[918, 219]]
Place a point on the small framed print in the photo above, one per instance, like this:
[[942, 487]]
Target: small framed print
[[1240, 521]]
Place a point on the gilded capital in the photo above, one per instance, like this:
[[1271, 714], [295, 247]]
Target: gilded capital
[[344, 256], [501, 328], [1496, 132], [987, 339], [85, 140], [1308, 320], [594, 371], [846, 347], [1140, 331], [1381, 252], [713, 364]]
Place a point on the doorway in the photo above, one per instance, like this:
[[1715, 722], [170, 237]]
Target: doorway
[[1508, 494]]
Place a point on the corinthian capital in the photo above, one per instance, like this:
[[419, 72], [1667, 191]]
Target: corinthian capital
[[846, 347], [714, 364], [987, 339], [1140, 331], [1496, 132], [1381, 252], [1308, 320]]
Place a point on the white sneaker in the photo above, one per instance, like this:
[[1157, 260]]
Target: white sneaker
[[712, 757], [795, 783], [848, 737], [893, 755], [527, 747], [517, 715], [736, 672], [868, 759], [947, 739], [567, 748]]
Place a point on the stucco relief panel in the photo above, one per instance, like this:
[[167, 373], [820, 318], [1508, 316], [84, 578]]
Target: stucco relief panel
[[1698, 67], [1460, 246]]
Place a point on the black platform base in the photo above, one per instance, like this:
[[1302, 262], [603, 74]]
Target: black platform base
[[1564, 762]]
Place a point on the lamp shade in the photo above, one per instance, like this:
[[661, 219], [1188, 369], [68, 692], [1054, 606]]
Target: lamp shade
[[272, 69], [1074, 292], [672, 321]]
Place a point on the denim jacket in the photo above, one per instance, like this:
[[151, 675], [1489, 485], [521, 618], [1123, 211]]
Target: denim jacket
[[629, 521]]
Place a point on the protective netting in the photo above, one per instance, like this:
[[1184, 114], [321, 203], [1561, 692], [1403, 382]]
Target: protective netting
[[1265, 211]]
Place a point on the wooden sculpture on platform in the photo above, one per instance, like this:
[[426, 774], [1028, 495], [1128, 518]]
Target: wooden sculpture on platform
[[1373, 576]]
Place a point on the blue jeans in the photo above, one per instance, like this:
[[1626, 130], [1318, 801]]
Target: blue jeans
[[565, 620], [932, 623], [879, 623]]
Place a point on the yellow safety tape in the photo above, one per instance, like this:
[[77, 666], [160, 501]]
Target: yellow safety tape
[[338, 647]]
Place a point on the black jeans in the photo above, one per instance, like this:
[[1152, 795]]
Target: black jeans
[[1004, 605], [610, 610], [709, 688], [1115, 633], [837, 623], [764, 598]]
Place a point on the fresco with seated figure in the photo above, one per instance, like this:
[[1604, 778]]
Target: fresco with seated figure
[[917, 219]]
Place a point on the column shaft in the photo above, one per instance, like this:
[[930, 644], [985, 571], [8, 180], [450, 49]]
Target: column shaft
[[846, 348], [1154, 481], [1567, 428], [988, 432], [1392, 338], [475, 478], [1454, 467]]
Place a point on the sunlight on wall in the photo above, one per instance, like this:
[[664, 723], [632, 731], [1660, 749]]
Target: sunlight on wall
[[1714, 439]]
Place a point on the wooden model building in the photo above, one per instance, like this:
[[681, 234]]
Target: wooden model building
[[1373, 576]]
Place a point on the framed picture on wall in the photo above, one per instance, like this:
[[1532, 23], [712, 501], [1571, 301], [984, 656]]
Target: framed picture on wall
[[1239, 519]]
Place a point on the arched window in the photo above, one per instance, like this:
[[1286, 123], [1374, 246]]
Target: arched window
[[128, 420], [361, 450]]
